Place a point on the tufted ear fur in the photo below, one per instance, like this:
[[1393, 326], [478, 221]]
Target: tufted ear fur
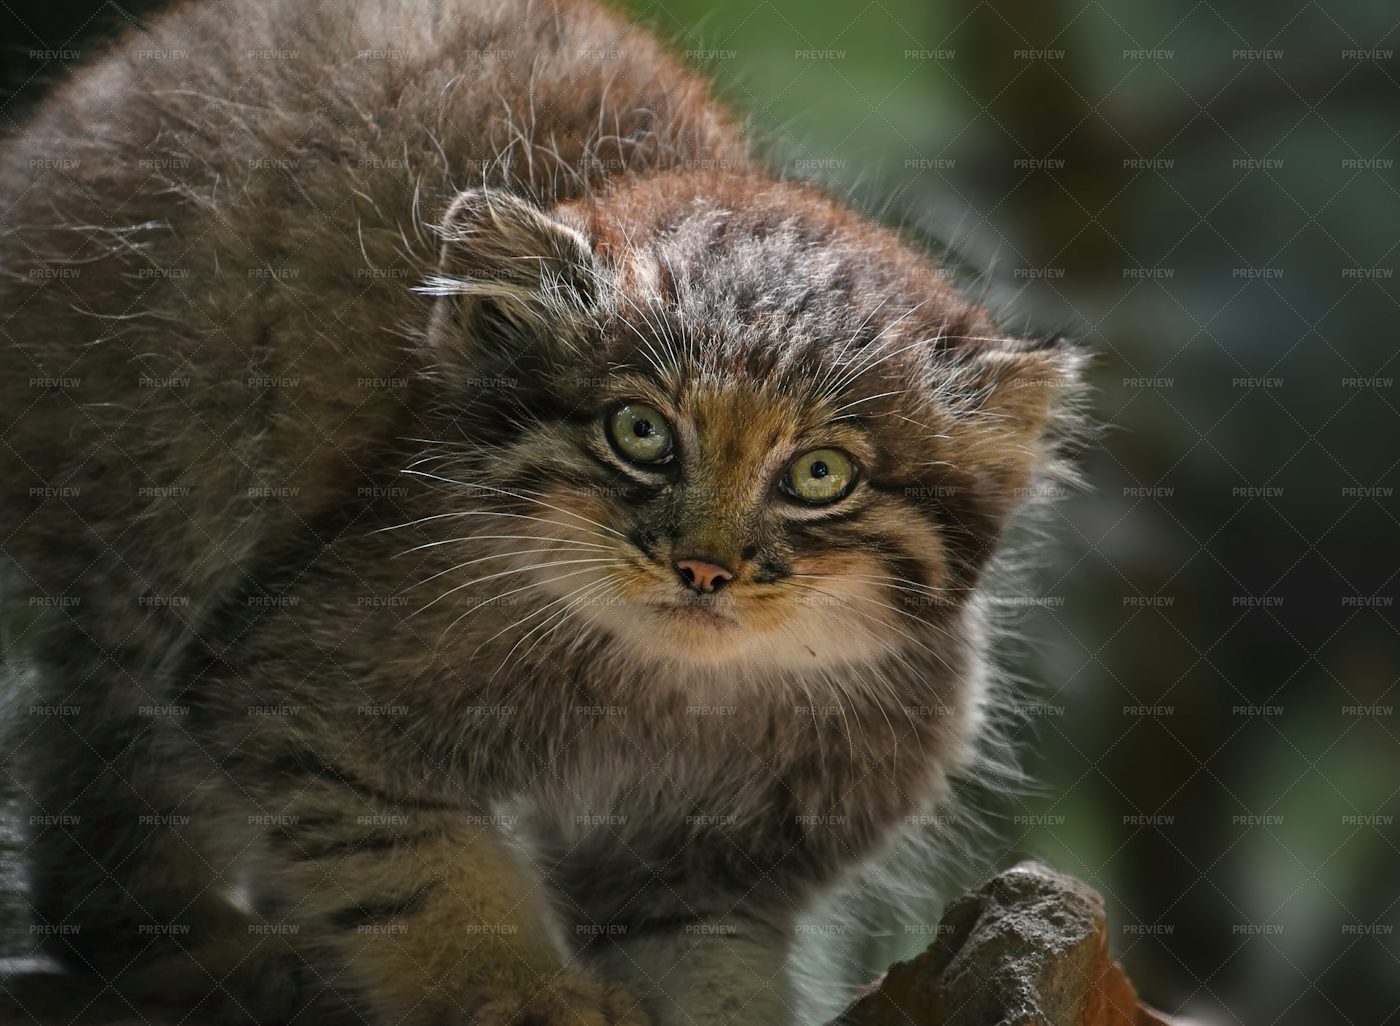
[[509, 270], [1016, 409]]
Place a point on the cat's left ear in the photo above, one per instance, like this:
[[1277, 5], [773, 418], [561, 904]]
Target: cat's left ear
[[1019, 408], [508, 268]]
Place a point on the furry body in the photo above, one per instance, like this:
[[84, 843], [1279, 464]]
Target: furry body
[[363, 680]]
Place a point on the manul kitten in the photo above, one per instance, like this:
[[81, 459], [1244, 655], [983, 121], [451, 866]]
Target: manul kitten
[[504, 554]]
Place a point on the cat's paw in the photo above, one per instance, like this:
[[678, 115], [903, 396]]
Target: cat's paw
[[568, 1000]]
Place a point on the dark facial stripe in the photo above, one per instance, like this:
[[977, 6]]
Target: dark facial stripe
[[840, 511], [824, 533], [379, 910], [301, 763], [899, 562], [632, 491], [533, 478], [770, 570], [601, 461], [645, 542], [299, 848], [909, 572], [964, 519]]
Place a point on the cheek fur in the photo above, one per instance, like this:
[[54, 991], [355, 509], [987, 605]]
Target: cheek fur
[[856, 588], [891, 557]]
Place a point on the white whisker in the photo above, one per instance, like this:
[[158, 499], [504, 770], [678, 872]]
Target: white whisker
[[514, 591], [517, 495], [505, 573]]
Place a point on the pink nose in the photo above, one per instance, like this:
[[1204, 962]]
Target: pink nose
[[698, 575]]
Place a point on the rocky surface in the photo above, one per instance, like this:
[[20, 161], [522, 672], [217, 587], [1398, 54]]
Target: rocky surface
[[1029, 948]]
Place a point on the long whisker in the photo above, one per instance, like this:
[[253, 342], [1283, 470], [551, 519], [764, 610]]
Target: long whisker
[[507, 573], [663, 335], [532, 614], [515, 591], [902, 612], [869, 688], [842, 599], [868, 365], [562, 617], [487, 513], [652, 356], [871, 350], [834, 695], [516, 495], [883, 642], [507, 537], [840, 355], [906, 583], [865, 399], [483, 559]]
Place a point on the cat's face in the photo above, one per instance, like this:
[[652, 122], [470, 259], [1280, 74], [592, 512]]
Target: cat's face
[[747, 428], [745, 524]]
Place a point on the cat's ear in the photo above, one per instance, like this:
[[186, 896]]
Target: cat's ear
[[1018, 408], [507, 268]]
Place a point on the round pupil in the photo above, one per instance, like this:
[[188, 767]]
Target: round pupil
[[819, 469], [643, 429]]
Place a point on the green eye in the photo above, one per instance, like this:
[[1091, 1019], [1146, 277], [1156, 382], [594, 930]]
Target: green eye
[[640, 433], [820, 476]]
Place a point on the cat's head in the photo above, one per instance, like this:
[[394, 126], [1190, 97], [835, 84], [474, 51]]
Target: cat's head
[[748, 426]]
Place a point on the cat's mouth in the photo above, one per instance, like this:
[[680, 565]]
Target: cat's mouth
[[697, 611]]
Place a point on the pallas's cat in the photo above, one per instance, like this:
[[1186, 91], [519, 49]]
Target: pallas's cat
[[495, 552]]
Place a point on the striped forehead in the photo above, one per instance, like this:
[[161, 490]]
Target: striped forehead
[[741, 429]]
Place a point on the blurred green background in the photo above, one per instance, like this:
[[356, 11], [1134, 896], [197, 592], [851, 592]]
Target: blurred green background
[[1205, 195]]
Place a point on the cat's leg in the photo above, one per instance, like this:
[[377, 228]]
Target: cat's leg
[[419, 912], [125, 868], [697, 925], [707, 972]]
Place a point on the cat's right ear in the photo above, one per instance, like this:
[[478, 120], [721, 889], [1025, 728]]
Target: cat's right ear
[[508, 269]]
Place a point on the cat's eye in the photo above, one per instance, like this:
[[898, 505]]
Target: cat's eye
[[820, 476], [640, 433]]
